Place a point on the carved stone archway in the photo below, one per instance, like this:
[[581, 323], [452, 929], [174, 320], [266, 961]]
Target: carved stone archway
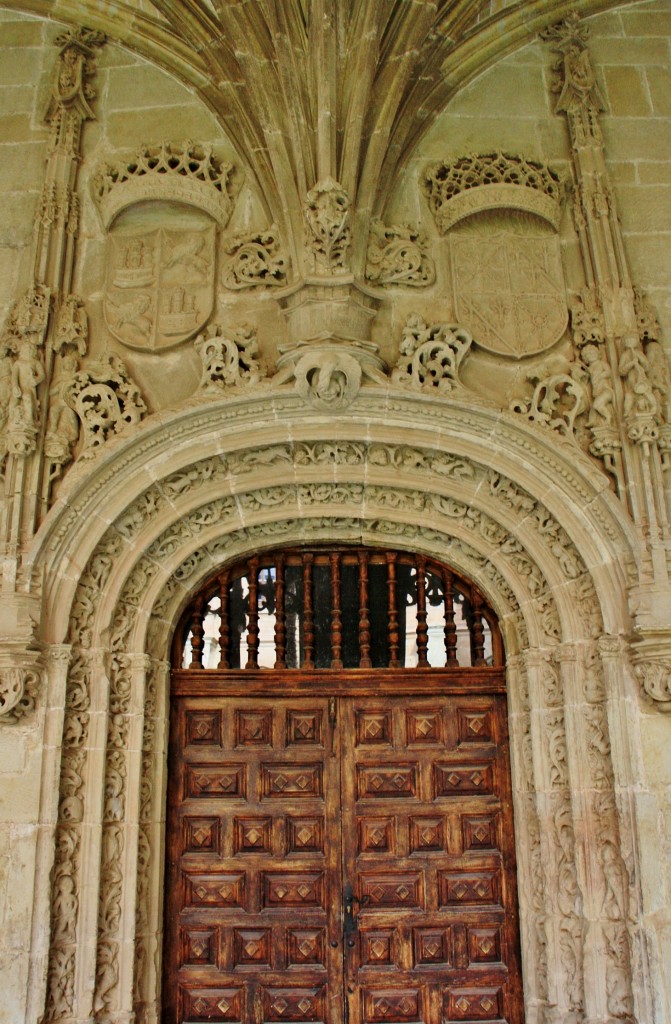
[[493, 500]]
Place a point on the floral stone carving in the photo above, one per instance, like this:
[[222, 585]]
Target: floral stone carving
[[557, 400], [397, 255], [106, 401], [327, 213], [16, 692], [230, 358], [254, 261], [187, 173], [431, 356]]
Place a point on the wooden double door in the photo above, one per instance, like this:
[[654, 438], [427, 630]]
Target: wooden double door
[[345, 859]]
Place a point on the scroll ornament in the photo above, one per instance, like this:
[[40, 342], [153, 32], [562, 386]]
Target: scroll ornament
[[397, 255], [558, 398], [254, 261], [229, 358], [431, 356], [106, 401], [17, 687], [327, 215]]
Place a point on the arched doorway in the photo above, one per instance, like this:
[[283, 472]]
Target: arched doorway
[[340, 839]]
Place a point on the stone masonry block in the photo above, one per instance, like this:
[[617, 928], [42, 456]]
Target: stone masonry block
[[659, 84], [626, 92], [133, 88]]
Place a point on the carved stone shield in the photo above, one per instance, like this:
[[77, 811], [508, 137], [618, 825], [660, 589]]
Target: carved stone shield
[[509, 291], [160, 285]]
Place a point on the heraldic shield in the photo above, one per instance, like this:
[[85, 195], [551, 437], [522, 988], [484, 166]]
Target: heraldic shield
[[160, 285], [509, 291]]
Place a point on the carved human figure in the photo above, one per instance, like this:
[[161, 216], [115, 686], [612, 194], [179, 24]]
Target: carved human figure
[[5, 396], [27, 373], [62, 420], [602, 409], [580, 87], [639, 397]]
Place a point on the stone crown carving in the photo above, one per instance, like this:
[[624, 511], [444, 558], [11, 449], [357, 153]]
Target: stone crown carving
[[488, 181], [186, 173]]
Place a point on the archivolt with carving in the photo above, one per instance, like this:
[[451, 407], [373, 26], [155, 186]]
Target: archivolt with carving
[[186, 516]]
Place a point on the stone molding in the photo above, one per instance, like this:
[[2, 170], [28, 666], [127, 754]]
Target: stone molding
[[185, 173]]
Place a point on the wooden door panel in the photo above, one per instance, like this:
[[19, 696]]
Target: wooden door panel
[[274, 809], [253, 873]]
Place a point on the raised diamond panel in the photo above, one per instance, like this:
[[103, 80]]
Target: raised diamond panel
[[215, 890], [305, 835], [203, 727], [293, 1004], [293, 889], [222, 781], [392, 1004], [291, 780], [251, 947], [252, 835], [480, 832], [253, 728], [457, 889], [212, 1004], [304, 728], [386, 781], [376, 835], [401, 889], [484, 945], [377, 947], [427, 835], [373, 728], [424, 727], [460, 778], [201, 835], [306, 947], [199, 947], [473, 1004], [474, 725], [432, 946]]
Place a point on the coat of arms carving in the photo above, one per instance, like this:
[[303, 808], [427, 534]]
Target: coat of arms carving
[[160, 285], [509, 290]]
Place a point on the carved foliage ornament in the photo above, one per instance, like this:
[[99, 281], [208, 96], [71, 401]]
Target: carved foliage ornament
[[186, 173], [254, 261], [106, 401], [397, 255], [17, 696], [229, 358], [327, 214], [431, 356], [471, 184]]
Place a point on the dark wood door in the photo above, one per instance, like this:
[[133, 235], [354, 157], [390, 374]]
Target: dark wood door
[[340, 859]]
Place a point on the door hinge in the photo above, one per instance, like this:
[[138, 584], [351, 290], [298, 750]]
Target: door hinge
[[333, 718]]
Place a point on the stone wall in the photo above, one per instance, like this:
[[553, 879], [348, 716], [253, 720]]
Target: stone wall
[[509, 108]]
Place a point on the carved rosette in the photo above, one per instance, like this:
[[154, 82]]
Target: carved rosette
[[254, 261], [185, 173], [398, 255], [327, 215], [431, 356], [229, 358], [17, 692]]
